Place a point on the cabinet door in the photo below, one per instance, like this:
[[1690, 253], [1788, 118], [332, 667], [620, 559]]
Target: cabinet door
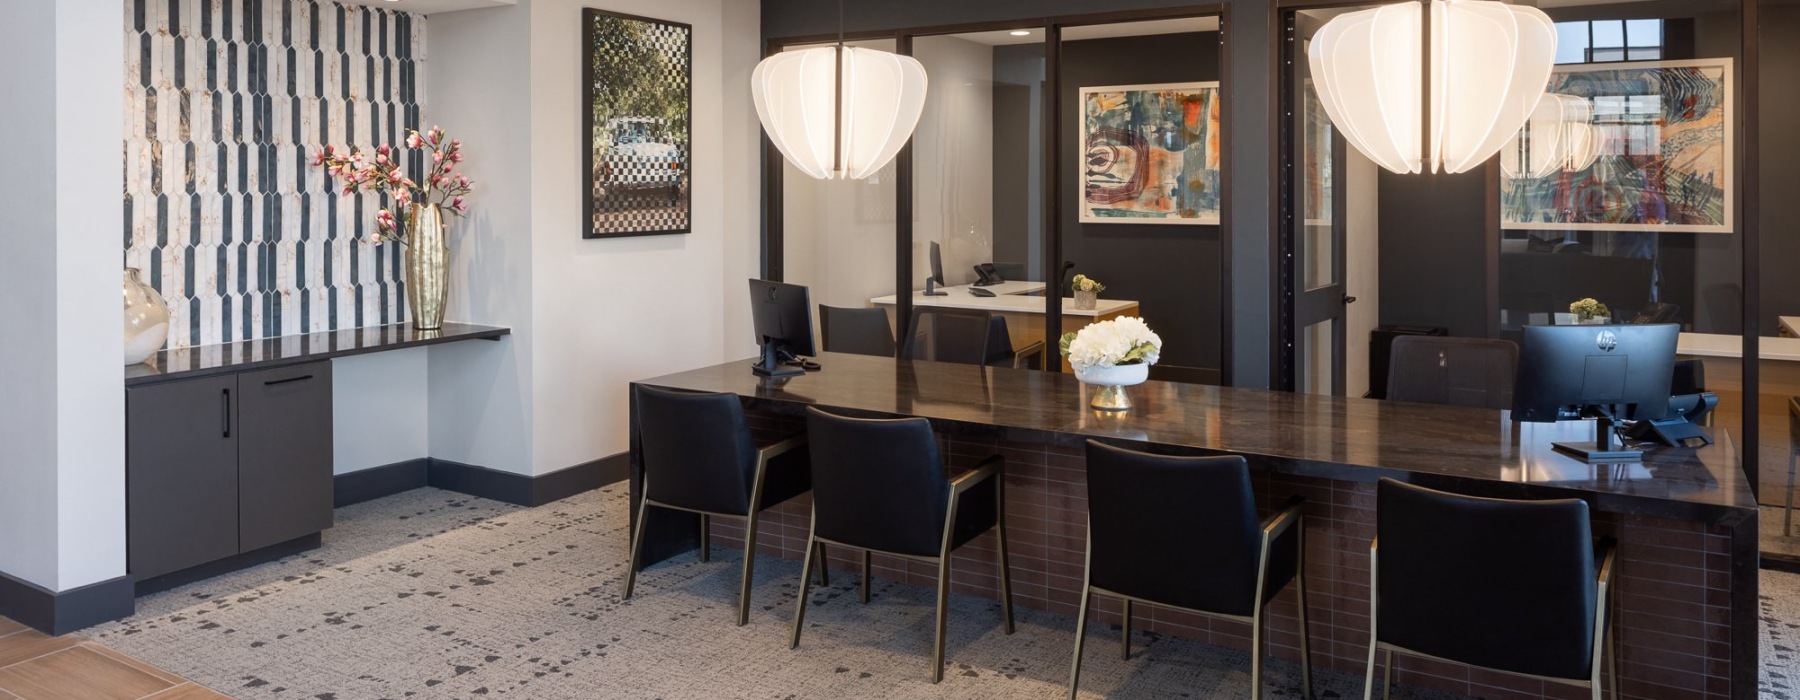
[[181, 474], [284, 454]]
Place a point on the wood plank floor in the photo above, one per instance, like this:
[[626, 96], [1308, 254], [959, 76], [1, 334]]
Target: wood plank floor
[[35, 666]]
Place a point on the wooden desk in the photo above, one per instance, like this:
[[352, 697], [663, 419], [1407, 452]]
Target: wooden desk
[[1022, 305], [1684, 518]]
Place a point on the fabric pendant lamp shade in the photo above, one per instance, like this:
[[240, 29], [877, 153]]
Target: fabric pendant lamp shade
[[1558, 137], [1489, 65], [797, 98]]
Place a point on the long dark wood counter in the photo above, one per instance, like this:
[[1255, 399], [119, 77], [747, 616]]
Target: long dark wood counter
[[1685, 517], [268, 353]]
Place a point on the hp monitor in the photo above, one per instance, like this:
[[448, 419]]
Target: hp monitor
[[1609, 372], [782, 315]]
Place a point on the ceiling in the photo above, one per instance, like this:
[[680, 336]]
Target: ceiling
[[1098, 31], [429, 7]]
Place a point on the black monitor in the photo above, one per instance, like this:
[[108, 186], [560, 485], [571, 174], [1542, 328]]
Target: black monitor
[[937, 272], [782, 314], [1610, 372]]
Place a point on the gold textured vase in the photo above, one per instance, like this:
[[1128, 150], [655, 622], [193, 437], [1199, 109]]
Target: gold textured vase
[[427, 260]]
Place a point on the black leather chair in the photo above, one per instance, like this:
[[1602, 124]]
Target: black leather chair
[[1506, 585], [698, 457], [1182, 532], [879, 486], [965, 336], [857, 331], [1453, 371]]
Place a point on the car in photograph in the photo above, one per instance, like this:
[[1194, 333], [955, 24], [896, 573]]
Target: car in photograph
[[640, 154]]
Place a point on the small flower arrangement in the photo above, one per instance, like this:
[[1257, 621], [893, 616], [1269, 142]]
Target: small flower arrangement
[[1084, 283], [1589, 309], [384, 172], [1125, 340]]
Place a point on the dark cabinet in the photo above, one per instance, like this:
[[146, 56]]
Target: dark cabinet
[[284, 454], [181, 480], [223, 465]]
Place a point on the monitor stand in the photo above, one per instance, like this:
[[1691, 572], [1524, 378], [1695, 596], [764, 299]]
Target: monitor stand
[[931, 288], [771, 366], [1603, 450]]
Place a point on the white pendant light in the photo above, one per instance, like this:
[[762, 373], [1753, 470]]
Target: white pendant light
[[839, 111], [1559, 137], [1489, 65]]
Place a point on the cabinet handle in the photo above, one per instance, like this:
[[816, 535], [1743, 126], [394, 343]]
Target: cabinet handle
[[301, 378], [225, 412]]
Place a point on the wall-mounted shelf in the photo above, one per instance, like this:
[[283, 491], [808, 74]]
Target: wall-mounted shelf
[[267, 353]]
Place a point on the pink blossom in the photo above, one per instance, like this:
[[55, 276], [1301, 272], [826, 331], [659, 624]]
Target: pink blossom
[[395, 177], [437, 156], [456, 156], [458, 204], [462, 181], [412, 140], [348, 190], [383, 149], [450, 165]]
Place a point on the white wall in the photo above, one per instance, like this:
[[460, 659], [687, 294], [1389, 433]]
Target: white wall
[[62, 410], [378, 414], [1362, 267]]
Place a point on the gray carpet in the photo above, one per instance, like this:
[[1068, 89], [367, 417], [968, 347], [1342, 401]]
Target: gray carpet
[[430, 594], [1780, 633]]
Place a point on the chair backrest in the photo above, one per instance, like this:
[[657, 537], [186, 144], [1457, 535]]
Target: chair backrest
[[963, 336], [697, 450], [1503, 584], [1453, 371], [858, 331], [877, 483], [1689, 377], [1176, 530]]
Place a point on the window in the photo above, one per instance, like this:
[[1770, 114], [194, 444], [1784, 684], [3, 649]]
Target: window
[[1610, 40]]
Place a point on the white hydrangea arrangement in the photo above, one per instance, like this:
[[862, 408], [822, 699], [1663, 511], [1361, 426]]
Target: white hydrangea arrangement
[[1125, 340]]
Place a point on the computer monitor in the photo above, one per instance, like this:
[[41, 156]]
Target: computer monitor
[[1611, 372], [782, 316], [937, 272]]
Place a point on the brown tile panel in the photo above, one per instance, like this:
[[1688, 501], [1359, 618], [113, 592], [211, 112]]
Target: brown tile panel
[[30, 644], [187, 692], [79, 673], [1673, 585]]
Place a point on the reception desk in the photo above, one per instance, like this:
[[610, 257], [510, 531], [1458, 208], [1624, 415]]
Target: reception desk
[[1684, 518], [1021, 303]]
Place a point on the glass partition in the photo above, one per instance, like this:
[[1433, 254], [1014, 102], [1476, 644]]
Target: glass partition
[[1778, 148]]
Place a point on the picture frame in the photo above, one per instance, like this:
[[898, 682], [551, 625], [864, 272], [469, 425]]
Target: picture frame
[[637, 118], [1151, 154]]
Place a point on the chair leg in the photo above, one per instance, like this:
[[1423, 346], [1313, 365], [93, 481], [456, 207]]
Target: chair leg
[[1006, 601], [749, 568], [637, 546], [800, 603], [1787, 518], [1256, 654], [1612, 649], [943, 611], [1125, 633], [1080, 636], [865, 576], [1306, 687], [1387, 675], [1369, 675], [824, 566], [705, 538]]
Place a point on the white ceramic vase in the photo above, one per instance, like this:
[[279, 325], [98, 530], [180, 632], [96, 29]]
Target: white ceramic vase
[[1109, 382], [146, 319]]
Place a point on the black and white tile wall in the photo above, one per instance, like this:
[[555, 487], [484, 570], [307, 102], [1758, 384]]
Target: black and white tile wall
[[226, 103]]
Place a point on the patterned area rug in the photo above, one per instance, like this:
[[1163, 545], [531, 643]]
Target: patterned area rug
[[1780, 633], [431, 594]]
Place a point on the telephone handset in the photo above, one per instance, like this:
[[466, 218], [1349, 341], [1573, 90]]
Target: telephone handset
[[989, 275]]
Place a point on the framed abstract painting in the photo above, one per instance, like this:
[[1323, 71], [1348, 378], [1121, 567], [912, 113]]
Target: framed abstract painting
[[1662, 131], [1150, 154], [637, 115]]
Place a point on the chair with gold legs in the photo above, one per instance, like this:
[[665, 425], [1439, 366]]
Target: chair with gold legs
[[1510, 586], [879, 486], [1182, 533], [698, 457]]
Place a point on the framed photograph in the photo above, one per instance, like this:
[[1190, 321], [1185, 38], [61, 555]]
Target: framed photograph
[[1150, 154], [638, 84], [1665, 153]]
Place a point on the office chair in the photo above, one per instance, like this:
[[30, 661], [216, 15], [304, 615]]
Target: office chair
[[1182, 532], [698, 457], [968, 337], [1506, 585], [1452, 371], [857, 331], [879, 486]]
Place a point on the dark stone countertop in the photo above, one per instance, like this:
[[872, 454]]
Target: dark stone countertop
[[1472, 450], [225, 358]]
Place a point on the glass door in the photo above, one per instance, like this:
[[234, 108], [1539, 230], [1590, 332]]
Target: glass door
[[1314, 299]]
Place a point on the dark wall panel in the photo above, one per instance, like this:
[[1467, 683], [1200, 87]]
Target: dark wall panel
[[1433, 251], [1172, 270]]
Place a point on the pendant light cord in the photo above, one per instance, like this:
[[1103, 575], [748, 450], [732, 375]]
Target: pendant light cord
[[837, 129]]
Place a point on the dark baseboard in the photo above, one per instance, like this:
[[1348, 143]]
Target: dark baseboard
[[229, 564], [56, 613], [370, 484], [522, 490]]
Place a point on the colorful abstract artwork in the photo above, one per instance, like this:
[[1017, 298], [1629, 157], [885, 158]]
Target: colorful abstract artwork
[[1150, 154], [1665, 160]]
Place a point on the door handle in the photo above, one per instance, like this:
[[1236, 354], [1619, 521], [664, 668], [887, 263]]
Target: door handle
[[1349, 299], [300, 378], [225, 413]]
